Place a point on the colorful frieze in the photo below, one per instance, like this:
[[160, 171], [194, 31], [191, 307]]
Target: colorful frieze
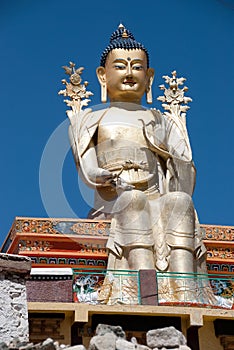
[[222, 268], [53, 226], [220, 252], [26, 246], [68, 261], [218, 241], [218, 233], [86, 287], [34, 226], [223, 287]]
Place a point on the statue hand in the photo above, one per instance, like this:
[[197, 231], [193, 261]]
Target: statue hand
[[123, 185], [104, 177]]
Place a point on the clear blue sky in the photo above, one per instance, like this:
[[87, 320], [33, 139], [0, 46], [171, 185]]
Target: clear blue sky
[[195, 37]]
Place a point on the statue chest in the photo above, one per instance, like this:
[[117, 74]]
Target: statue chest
[[122, 147]]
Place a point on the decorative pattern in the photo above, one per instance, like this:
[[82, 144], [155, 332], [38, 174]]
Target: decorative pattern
[[106, 288], [42, 246], [223, 287], [219, 233], [220, 253], [99, 228], [35, 226], [85, 288], [220, 267], [69, 261], [195, 290], [91, 228], [49, 226], [50, 277]]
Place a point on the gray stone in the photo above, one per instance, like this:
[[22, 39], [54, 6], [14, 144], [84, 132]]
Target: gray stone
[[167, 337], [141, 347], [103, 342], [15, 264], [122, 344], [13, 303], [76, 347], [105, 328], [138, 346], [3, 346], [27, 347], [48, 344], [15, 343]]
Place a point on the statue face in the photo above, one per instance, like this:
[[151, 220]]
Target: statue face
[[125, 75]]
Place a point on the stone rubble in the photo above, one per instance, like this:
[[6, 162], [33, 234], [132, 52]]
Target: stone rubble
[[13, 302], [111, 338]]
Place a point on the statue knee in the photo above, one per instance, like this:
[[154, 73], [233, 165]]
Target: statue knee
[[180, 197], [180, 203], [131, 200], [180, 226]]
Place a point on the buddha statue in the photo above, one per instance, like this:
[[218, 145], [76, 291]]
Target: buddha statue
[[139, 162]]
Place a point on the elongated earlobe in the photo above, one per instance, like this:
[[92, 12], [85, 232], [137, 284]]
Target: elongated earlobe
[[149, 98], [103, 93], [150, 73], [101, 75]]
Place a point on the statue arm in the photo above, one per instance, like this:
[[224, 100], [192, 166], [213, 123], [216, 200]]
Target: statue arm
[[97, 176], [87, 163], [94, 173], [181, 172], [81, 135]]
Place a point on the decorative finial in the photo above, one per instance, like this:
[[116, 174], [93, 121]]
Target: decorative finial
[[121, 26], [174, 106], [125, 34], [174, 96], [76, 91]]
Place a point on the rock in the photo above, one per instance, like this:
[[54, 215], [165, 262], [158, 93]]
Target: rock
[[3, 346], [76, 347], [105, 328], [167, 337], [103, 342], [48, 344], [28, 346], [122, 344]]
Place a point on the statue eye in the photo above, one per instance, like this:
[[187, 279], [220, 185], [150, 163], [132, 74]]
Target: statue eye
[[119, 66], [137, 67]]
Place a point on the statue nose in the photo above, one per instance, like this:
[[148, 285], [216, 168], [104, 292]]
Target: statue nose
[[129, 70]]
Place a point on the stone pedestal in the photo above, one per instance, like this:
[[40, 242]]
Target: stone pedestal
[[13, 302]]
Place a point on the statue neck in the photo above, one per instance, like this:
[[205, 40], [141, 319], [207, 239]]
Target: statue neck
[[130, 106]]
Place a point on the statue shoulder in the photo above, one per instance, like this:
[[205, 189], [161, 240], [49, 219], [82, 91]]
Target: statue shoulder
[[85, 127], [89, 122]]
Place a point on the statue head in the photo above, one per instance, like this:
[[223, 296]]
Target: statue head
[[124, 73]]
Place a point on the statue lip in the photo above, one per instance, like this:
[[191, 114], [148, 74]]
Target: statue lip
[[129, 82]]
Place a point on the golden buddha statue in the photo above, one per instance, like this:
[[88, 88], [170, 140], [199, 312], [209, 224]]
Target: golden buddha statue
[[138, 160]]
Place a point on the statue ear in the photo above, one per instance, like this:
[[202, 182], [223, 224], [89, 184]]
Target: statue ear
[[101, 74], [150, 74]]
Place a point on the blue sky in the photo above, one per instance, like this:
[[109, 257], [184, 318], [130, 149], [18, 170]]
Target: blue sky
[[38, 37]]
